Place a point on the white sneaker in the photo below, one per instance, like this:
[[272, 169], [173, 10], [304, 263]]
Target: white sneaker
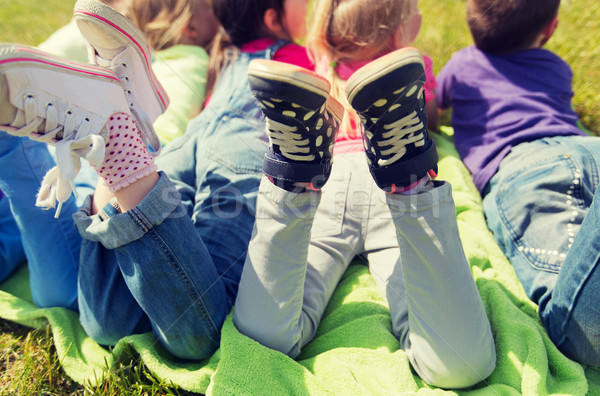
[[60, 102], [117, 43]]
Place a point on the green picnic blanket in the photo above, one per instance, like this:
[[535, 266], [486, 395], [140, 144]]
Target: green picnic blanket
[[354, 351]]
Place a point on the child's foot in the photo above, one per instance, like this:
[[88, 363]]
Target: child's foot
[[75, 106], [118, 44], [302, 122], [388, 96]]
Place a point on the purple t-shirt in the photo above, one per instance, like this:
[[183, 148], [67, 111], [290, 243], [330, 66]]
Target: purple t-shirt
[[499, 101]]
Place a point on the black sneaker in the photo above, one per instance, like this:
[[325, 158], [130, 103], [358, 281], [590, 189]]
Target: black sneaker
[[302, 122], [388, 96]]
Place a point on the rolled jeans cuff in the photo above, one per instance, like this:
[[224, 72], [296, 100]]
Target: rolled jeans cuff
[[114, 229]]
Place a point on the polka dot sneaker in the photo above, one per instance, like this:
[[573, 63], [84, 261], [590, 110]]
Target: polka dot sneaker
[[302, 122], [388, 96], [61, 102]]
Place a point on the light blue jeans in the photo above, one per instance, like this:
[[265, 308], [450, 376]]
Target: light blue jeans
[[544, 210], [303, 243]]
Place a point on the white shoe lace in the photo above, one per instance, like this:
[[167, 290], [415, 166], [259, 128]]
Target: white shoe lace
[[149, 136], [400, 134], [291, 144], [75, 142]]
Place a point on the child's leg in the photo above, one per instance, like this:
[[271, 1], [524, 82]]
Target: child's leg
[[165, 267], [288, 276], [536, 206], [153, 241], [572, 314], [41, 97], [51, 245], [11, 246], [107, 309], [436, 310]]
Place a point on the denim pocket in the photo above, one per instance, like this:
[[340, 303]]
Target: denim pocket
[[540, 204]]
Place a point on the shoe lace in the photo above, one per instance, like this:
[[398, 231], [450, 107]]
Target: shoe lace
[[291, 144], [73, 143], [404, 131], [149, 135]]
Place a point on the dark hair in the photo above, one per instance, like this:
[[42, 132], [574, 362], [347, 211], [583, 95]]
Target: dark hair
[[242, 21], [508, 25]]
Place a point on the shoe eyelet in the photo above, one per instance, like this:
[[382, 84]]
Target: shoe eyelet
[[29, 96], [124, 64], [68, 112], [49, 105], [126, 78], [86, 119], [128, 91]]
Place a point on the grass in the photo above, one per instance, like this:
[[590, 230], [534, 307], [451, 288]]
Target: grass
[[28, 361], [30, 366], [31, 21]]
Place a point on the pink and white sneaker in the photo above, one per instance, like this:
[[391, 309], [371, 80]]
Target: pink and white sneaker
[[117, 43], [61, 102]]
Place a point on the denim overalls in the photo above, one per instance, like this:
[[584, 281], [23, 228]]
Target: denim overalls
[[152, 266]]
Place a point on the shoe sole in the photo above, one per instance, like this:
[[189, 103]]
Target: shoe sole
[[383, 66], [296, 76], [102, 16], [11, 55], [289, 74]]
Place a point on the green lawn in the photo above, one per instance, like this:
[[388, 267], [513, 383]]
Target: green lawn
[[28, 363], [31, 21]]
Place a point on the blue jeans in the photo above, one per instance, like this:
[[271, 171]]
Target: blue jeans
[[543, 208], [12, 253], [50, 245], [173, 263], [148, 269]]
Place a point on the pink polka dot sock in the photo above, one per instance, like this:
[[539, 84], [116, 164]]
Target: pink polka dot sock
[[126, 158]]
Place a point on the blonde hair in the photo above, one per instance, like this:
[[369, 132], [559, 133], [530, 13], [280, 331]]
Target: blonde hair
[[353, 30], [162, 21]]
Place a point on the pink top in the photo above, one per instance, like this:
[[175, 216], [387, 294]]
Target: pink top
[[291, 53]]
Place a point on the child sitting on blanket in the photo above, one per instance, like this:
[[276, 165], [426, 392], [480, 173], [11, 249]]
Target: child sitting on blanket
[[537, 172], [165, 255], [313, 218]]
